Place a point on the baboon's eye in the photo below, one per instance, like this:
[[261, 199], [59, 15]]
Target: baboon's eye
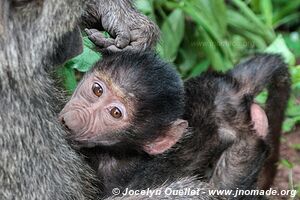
[[97, 89], [116, 113]]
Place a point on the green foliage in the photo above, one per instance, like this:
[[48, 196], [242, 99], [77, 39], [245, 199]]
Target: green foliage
[[81, 63], [67, 74], [172, 31], [279, 46], [296, 147], [293, 42], [86, 59], [215, 35], [293, 109], [287, 164], [200, 35], [297, 188]]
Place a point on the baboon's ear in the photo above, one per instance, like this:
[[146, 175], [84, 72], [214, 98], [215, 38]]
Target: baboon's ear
[[168, 139]]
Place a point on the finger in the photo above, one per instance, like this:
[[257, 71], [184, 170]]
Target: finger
[[136, 46], [123, 37], [136, 35], [144, 37], [91, 31], [139, 41], [100, 40], [113, 48]]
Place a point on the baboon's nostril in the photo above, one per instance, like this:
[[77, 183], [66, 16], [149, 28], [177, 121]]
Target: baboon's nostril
[[67, 128], [64, 123]]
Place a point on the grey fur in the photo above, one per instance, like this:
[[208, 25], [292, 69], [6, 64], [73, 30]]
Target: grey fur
[[36, 161]]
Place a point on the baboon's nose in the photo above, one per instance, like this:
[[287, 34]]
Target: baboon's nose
[[72, 122]]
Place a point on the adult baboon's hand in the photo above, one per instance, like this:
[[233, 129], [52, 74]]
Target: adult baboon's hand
[[128, 28]]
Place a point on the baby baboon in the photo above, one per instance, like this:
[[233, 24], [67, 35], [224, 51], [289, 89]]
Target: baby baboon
[[127, 116]]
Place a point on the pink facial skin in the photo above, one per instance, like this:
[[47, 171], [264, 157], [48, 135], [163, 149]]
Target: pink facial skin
[[94, 110]]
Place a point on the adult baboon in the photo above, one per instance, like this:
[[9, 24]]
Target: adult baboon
[[35, 35]]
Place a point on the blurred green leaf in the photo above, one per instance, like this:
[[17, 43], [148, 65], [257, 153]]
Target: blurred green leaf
[[86, 59], [199, 68], [255, 5], [267, 10], [67, 75], [287, 9], [249, 14], [289, 124], [146, 7], [286, 163], [207, 27], [172, 34], [295, 72], [219, 63], [189, 59], [240, 22], [293, 110], [297, 188], [88, 43], [218, 10], [290, 19], [262, 97], [82, 62], [252, 38], [279, 46], [292, 40], [296, 146]]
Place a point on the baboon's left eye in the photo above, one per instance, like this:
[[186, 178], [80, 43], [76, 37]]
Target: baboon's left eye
[[97, 89]]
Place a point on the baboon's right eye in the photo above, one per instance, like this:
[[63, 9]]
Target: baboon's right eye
[[116, 112]]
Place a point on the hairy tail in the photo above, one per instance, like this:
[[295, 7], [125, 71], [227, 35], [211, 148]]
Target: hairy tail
[[267, 71]]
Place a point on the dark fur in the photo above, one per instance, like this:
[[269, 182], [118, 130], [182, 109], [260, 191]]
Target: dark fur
[[236, 91], [277, 80], [217, 108]]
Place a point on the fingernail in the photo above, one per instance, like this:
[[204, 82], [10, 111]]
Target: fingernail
[[118, 45], [87, 31]]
